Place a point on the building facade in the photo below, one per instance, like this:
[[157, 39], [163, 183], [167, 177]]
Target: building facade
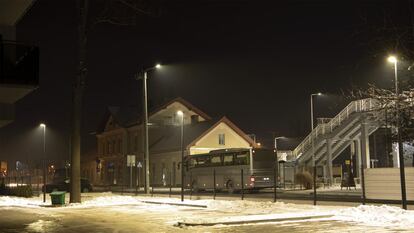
[[120, 135]]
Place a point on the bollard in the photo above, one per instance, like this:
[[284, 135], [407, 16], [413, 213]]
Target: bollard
[[274, 183], [214, 184], [242, 185]]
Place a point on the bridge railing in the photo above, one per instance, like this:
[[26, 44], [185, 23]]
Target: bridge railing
[[362, 105]]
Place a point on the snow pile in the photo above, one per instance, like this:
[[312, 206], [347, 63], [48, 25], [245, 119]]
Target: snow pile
[[108, 200], [385, 216], [257, 207], [6, 201]]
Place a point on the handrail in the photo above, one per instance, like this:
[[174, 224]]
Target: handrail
[[361, 105]]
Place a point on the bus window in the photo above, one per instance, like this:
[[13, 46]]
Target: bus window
[[216, 160], [228, 159], [242, 159], [203, 161]]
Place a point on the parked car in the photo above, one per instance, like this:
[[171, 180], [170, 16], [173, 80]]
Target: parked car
[[65, 186]]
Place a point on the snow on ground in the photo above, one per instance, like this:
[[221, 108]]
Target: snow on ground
[[386, 216], [6, 201], [234, 210]]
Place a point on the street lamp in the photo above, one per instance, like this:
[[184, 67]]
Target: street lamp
[[311, 100], [275, 147], [394, 60], [181, 114], [44, 161], [144, 75], [313, 148]]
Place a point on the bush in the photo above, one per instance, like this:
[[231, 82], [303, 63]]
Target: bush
[[19, 191], [3, 189], [22, 191], [305, 179]]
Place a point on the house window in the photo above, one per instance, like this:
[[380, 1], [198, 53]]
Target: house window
[[222, 139]]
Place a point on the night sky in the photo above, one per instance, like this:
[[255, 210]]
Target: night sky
[[252, 61]]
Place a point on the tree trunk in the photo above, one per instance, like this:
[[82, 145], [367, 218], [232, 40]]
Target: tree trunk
[[78, 87]]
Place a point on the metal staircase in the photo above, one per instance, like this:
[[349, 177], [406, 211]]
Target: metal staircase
[[339, 132]]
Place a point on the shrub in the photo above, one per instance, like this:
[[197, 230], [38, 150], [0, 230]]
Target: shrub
[[3, 189], [305, 179], [19, 191]]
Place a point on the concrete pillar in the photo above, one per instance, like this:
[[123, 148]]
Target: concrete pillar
[[365, 145], [357, 147], [329, 160]]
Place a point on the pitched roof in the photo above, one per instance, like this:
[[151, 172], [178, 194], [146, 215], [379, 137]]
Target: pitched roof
[[171, 138], [127, 116]]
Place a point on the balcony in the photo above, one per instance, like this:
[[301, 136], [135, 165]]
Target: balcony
[[19, 70]]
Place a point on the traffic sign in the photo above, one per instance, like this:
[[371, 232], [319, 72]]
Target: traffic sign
[[131, 160]]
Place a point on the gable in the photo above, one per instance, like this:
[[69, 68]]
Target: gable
[[168, 115], [111, 124], [214, 139]]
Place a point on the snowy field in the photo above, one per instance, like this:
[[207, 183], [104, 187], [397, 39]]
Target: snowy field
[[107, 212]]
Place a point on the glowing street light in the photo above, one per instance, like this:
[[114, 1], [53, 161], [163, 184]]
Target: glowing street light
[[394, 60], [144, 75], [42, 125], [181, 114], [313, 149]]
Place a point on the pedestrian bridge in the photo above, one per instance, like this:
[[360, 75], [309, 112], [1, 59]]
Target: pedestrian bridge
[[353, 124]]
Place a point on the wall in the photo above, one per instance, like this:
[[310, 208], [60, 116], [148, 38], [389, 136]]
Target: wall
[[384, 183], [210, 141]]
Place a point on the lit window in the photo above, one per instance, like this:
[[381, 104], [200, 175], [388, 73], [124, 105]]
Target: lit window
[[222, 139]]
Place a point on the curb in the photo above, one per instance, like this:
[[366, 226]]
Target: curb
[[180, 224], [177, 204]]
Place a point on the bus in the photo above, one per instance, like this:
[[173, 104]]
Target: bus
[[227, 164]]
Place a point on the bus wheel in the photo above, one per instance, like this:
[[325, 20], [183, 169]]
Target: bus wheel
[[195, 187], [230, 187]]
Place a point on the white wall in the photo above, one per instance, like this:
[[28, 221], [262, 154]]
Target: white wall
[[384, 183], [211, 140]]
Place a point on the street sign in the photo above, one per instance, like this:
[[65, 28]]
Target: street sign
[[131, 160], [347, 162], [139, 165]]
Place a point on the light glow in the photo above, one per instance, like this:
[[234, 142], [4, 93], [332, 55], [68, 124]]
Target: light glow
[[43, 125], [158, 66], [392, 59], [180, 113]]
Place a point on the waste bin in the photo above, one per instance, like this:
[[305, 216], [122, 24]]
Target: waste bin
[[58, 198]]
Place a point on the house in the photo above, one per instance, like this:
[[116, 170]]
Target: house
[[120, 134]]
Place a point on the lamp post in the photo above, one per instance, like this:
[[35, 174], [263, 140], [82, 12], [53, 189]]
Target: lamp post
[[275, 147], [44, 161], [313, 147], [181, 114], [394, 60], [144, 75]]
